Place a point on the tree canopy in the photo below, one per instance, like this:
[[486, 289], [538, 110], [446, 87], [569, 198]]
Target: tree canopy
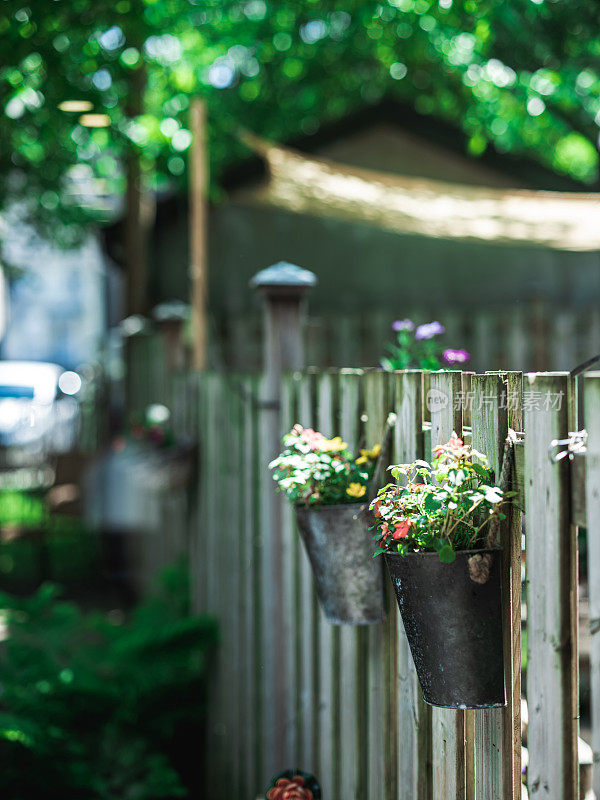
[[520, 75]]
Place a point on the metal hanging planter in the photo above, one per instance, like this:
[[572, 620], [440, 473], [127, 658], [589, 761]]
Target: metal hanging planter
[[349, 580], [454, 626]]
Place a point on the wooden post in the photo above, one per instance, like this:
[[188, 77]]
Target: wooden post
[[591, 391], [283, 287], [449, 744], [198, 186], [552, 670]]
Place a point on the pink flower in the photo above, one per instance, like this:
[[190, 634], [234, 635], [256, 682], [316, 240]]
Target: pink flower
[[455, 356], [313, 438], [454, 443]]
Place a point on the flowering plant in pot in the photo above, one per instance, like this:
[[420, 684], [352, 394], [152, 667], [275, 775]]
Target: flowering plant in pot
[[418, 346], [437, 530], [328, 487]]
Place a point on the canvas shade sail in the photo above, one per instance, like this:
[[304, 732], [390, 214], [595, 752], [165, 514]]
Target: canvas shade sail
[[408, 205]]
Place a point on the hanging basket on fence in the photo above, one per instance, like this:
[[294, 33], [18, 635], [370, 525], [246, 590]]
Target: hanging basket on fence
[[340, 548], [452, 616]]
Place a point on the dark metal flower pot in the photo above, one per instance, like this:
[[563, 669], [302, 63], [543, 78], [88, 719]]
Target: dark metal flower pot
[[340, 548], [454, 627]]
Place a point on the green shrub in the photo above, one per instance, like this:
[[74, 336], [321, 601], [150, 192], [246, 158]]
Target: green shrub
[[97, 707]]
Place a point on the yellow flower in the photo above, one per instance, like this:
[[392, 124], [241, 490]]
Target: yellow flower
[[361, 460], [356, 490], [372, 454], [333, 445]]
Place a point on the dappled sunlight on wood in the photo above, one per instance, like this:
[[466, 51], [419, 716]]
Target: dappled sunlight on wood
[[567, 221]]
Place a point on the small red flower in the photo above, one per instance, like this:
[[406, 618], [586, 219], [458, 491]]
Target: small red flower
[[290, 789], [402, 528], [376, 511]]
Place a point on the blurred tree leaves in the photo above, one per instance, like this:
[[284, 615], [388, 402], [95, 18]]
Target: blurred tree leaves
[[521, 74]]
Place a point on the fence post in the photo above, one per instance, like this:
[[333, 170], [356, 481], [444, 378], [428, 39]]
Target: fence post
[[283, 287], [592, 423], [548, 401]]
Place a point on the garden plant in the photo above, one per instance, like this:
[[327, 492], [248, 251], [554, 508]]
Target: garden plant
[[329, 487], [418, 347]]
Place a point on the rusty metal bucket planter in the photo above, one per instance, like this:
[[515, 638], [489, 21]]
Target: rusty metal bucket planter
[[453, 626], [340, 548]]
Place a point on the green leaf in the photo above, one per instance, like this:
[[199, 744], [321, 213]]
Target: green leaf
[[431, 504], [447, 554]]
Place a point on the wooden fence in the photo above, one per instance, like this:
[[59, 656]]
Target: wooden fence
[[291, 690], [527, 336]]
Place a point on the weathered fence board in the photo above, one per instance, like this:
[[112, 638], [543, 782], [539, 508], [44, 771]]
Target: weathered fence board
[[551, 597], [328, 634], [353, 741], [308, 615], [449, 743], [592, 415], [414, 716], [375, 404]]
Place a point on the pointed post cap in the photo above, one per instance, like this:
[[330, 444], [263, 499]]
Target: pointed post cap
[[284, 279]]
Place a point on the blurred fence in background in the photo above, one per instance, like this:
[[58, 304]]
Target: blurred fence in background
[[533, 336]]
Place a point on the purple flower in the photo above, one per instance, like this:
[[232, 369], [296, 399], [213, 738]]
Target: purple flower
[[429, 330], [403, 325], [455, 356]]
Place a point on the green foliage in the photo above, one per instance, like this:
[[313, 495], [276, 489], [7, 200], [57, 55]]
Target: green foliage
[[92, 704], [314, 470], [520, 75], [41, 545], [442, 507], [419, 348]]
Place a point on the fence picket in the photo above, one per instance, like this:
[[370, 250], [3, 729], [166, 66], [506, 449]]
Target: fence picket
[[414, 715], [353, 742], [308, 732], [375, 403], [551, 595], [448, 726], [493, 777], [592, 423], [328, 633]]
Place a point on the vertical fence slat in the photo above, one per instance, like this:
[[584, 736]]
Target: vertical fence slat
[[328, 634], [592, 492], [307, 620], [414, 715], [353, 743], [448, 726], [512, 726], [273, 657], [248, 583], [490, 426], [551, 594], [376, 411], [288, 588]]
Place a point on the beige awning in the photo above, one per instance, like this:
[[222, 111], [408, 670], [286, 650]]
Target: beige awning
[[563, 220]]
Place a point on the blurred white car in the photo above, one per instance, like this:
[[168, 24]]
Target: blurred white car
[[39, 414]]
